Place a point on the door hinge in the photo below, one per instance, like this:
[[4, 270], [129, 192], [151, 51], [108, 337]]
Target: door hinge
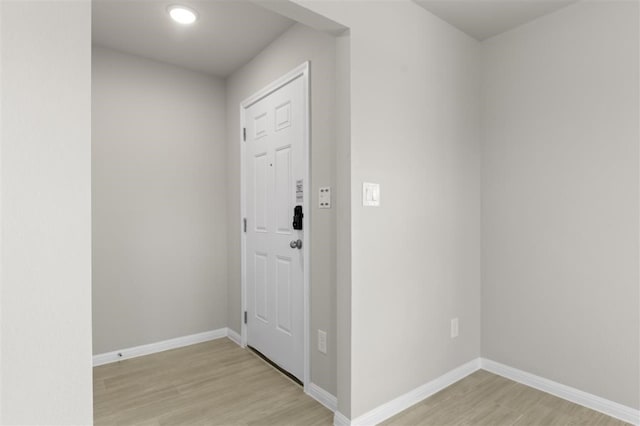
[[245, 317], [244, 221], [244, 134]]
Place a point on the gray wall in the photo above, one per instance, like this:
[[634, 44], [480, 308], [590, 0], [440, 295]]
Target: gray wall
[[159, 201], [45, 178], [294, 47], [343, 221], [416, 258], [560, 199]]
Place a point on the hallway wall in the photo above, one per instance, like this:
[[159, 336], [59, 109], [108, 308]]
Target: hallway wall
[[561, 103], [159, 201], [415, 260]]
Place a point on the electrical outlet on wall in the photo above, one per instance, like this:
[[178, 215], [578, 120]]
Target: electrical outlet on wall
[[322, 341], [454, 328]]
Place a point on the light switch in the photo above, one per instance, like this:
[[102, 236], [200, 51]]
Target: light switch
[[324, 197], [370, 194]]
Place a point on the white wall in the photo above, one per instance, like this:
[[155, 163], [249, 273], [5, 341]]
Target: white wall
[[416, 258], [45, 175], [159, 201], [297, 45], [560, 199]]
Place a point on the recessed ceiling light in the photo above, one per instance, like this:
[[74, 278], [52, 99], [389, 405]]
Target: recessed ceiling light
[[182, 15]]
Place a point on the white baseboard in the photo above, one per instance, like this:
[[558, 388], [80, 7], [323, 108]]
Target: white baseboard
[[164, 345], [610, 408], [340, 419], [234, 337], [401, 403], [322, 396]]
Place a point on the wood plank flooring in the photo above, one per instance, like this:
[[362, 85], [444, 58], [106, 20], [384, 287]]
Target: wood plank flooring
[[483, 399], [212, 383], [219, 383]]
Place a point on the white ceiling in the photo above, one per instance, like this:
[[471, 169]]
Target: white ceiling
[[229, 33], [482, 19], [226, 35]]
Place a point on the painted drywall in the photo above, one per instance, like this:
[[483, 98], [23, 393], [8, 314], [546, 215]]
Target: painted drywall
[[1, 137], [343, 221], [560, 199], [45, 175], [416, 258], [159, 201], [297, 45]]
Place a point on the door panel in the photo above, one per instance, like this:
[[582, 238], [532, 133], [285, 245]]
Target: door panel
[[283, 296], [261, 288], [274, 162], [283, 173], [260, 193]]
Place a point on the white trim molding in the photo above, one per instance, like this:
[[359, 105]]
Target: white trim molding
[[605, 406], [164, 345], [401, 403], [340, 419], [322, 396], [234, 337]]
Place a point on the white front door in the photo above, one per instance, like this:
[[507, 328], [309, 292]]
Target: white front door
[[275, 166]]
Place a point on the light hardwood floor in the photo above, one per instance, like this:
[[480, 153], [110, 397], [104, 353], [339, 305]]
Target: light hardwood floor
[[483, 398], [219, 383], [212, 383]]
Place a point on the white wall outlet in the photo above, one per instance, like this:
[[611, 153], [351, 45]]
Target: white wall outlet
[[454, 328], [322, 341], [324, 197], [370, 194]]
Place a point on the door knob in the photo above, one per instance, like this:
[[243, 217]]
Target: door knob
[[296, 244]]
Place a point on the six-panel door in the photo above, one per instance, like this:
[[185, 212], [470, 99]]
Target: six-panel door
[[274, 163]]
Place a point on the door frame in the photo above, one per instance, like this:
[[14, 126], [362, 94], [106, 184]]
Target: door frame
[[301, 71]]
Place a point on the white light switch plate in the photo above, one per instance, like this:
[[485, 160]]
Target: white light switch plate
[[324, 197], [370, 194]]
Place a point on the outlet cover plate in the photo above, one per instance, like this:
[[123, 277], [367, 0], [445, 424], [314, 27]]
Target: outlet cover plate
[[454, 328], [322, 341]]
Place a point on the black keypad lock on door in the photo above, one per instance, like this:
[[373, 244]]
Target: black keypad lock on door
[[297, 217]]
